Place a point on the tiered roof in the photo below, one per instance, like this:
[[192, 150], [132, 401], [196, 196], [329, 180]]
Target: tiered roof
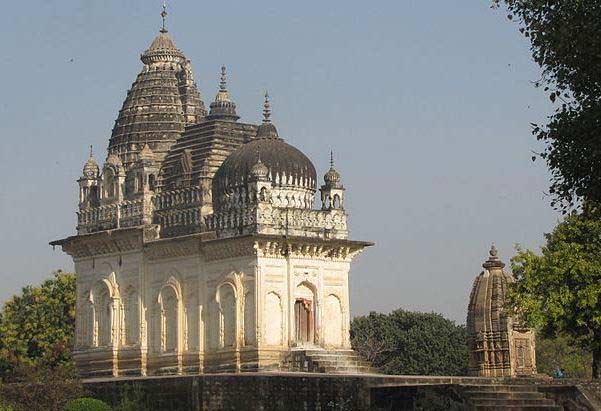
[[162, 101]]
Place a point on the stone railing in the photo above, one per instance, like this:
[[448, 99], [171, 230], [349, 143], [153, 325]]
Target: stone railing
[[266, 219], [111, 216], [178, 211]]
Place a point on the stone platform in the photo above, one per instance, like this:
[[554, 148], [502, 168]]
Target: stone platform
[[310, 391]]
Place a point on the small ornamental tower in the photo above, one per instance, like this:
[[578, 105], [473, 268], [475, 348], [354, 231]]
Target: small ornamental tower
[[259, 184], [89, 184], [223, 107], [500, 346], [332, 192]]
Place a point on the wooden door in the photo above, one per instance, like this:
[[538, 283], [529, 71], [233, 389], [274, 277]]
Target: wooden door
[[302, 315]]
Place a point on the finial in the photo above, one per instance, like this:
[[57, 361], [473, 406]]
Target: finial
[[493, 261], [331, 158], [91, 151], [266, 109], [164, 17], [223, 82]]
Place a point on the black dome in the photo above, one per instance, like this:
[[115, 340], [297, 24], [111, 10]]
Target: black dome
[[282, 160]]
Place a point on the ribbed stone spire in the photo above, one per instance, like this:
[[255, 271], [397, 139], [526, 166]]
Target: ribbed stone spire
[[494, 333], [162, 101]]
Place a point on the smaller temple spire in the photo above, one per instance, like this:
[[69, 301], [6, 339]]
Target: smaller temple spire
[[267, 109], [223, 94], [164, 15], [223, 107]]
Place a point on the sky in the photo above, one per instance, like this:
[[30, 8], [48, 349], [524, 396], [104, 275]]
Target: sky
[[427, 105]]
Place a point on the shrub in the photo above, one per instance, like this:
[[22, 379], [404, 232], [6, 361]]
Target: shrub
[[87, 404]]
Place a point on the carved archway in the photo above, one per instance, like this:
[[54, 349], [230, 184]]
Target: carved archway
[[170, 314], [305, 309]]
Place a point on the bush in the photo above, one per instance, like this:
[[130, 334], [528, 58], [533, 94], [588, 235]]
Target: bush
[[405, 342], [87, 404]]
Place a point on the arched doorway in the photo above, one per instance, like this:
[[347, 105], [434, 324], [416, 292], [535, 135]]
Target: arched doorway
[[304, 315]]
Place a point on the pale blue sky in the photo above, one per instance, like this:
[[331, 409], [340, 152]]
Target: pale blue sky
[[426, 104]]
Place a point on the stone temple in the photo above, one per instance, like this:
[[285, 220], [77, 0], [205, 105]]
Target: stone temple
[[200, 244], [499, 344]]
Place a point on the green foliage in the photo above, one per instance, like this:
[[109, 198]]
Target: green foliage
[[565, 41], [553, 353], [133, 399], [405, 342], [40, 388], [559, 292], [37, 327], [87, 404]]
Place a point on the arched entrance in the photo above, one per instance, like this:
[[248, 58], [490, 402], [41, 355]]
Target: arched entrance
[[304, 315]]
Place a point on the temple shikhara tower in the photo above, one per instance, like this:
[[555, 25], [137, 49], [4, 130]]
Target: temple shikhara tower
[[500, 346], [200, 243]]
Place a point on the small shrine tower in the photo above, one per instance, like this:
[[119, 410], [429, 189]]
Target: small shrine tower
[[499, 344]]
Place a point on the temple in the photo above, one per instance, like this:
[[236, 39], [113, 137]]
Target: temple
[[201, 246], [499, 344]]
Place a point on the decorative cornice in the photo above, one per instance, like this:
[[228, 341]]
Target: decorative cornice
[[102, 243]]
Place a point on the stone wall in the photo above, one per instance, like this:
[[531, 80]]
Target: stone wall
[[298, 391], [238, 392]]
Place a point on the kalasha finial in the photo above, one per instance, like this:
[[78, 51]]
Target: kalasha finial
[[91, 151], [267, 109], [164, 17], [493, 260], [223, 82], [331, 158]]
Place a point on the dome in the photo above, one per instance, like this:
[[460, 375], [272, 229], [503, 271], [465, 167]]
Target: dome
[[91, 169], [332, 178], [286, 167], [259, 170]]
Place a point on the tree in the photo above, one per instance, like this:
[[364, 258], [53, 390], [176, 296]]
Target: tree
[[559, 291], [37, 327], [405, 342], [565, 37], [553, 353]]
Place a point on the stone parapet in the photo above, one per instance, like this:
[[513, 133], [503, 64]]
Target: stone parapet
[[325, 224], [111, 216]]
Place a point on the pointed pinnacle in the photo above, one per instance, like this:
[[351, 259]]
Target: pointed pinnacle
[[267, 109], [164, 17], [223, 82]]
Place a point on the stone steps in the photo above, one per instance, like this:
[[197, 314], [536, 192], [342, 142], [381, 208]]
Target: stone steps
[[508, 397], [332, 362]]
